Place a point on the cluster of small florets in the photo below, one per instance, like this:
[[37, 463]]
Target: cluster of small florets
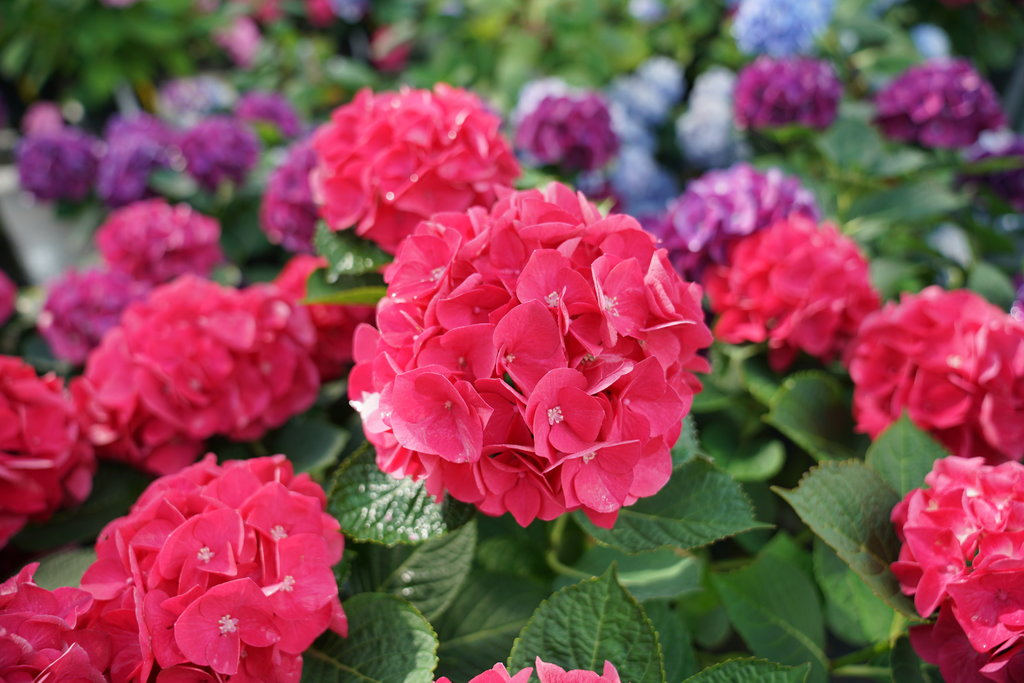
[[546, 673], [780, 92], [288, 214]]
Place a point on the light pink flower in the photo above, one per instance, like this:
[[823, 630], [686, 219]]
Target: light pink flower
[[552, 673]]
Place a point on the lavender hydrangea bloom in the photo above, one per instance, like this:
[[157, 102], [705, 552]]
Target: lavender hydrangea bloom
[[643, 186], [187, 100], [931, 41], [351, 11], [779, 92], [781, 28], [651, 92], [136, 147], [573, 131], [1008, 184], [288, 214], [648, 11], [81, 307], [706, 133], [220, 148], [272, 108], [721, 207], [941, 103], [58, 164]]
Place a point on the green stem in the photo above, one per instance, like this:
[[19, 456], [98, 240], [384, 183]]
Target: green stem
[[859, 671], [860, 656]]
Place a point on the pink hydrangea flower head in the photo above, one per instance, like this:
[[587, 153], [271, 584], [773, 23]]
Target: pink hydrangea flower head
[[193, 360], [241, 39], [42, 117], [288, 214], [552, 673], [774, 92], [953, 362], [38, 636], [45, 461], [220, 149], [335, 324], [532, 359], [795, 285], [217, 571], [8, 297], [389, 160], [497, 674], [963, 554], [941, 103], [155, 242], [81, 307]]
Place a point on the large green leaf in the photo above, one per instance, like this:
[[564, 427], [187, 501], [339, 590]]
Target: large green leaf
[[375, 507], [670, 623], [479, 627], [653, 574], [853, 612], [388, 641], [903, 454], [775, 607], [581, 626], [848, 506], [311, 444], [751, 671], [699, 505], [813, 410], [346, 253]]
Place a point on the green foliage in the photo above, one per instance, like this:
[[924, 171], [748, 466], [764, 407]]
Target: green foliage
[[813, 410], [64, 567], [903, 454], [852, 610], [751, 671]]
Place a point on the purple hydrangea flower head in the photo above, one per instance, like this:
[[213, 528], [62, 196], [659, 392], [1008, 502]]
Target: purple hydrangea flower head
[[779, 92], [722, 207], [780, 28], [351, 11], [573, 131], [80, 308], [269, 107], [136, 147], [533, 92], [8, 295], [218, 149], [941, 103], [288, 214], [59, 164], [186, 101], [706, 132], [1008, 184]]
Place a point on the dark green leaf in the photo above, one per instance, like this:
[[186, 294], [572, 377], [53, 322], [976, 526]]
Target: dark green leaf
[[814, 411], [993, 284], [905, 664], [364, 289], [688, 445], [908, 202], [751, 671], [852, 611], [680, 659], [649, 575], [346, 253], [903, 454], [64, 568], [312, 444]]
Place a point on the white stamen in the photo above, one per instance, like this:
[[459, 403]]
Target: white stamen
[[277, 532], [288, 584], [587, 457], [205, 554], [552, 299], [610, 302], [509, 357], [555, 415], [227, 624]]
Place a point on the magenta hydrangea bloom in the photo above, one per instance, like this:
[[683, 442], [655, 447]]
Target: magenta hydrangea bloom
[[288, 214], [722, 207], [272, 108], [136, 148], [1009, 185], [8, 296], [58, 164], [546, 673], [780, 92], [572, 130], [219, 149], [155, 242], [941, 103], [82, 306]]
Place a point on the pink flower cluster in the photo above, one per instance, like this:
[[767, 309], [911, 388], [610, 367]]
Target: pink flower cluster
[[546, 673], [953, 362], [45, 463], [534, 359], [335, 325], [39, 640], [390, 160], [796, 285], [193, 360], [963, 554], [218, 572]]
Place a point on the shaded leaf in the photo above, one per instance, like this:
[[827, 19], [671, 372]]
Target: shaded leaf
[[751, 671], [813, 410], [903, 454], [64, 568], [852, 610]]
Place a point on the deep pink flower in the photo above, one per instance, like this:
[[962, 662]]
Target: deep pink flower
[[45, 462], [155, 242], [552, 673], [8, 295], [796, 285], [953, 362], [389, 160], [508, 353], [193, 360]]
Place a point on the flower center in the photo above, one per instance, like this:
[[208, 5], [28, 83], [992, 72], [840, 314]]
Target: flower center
[[552, 299], [277, 532], [509, 357], [288, 584], [555, 415], [587, 457], [205, 554], [227, 624], [436, 273], [610, 303]]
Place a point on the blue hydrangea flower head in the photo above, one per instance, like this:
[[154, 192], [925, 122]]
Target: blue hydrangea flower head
[[647, 10], [781, 28], [643, 186], [930, 40]]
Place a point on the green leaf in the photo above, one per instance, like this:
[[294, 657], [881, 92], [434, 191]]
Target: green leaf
[[688, 445], [847, 504], [670, 623], [374, 507], [479, 627], [743, 459], [908, 202], [751, 671], [655, 574], [814, 411], [311, 444], [581, 626], [993, 284], [364, 289], [903, 454], [388, 641], [775, 607], [346, 253], [851, 143], [905, 664], [64, 568], [428, 576], [852, 611], [699, 505]]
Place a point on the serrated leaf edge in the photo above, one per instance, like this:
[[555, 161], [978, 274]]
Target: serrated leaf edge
[[752, 660]]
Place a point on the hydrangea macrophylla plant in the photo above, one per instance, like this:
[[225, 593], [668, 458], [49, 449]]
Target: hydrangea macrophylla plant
[[58, 164], [38, 632], [155, 242], [941, 103], [546, 673], [45, 461], [192, 360], [572, 131], [8, 296], [82, 306], [288, 214], [335, 324], [533, 359], [780, 28], [136, 147], [388, 160], [796, 285], [1008, 184], [780, 92], [222, 570], [270, 108], [962, 555], [219, 149], [952, 361], [722, 207]]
